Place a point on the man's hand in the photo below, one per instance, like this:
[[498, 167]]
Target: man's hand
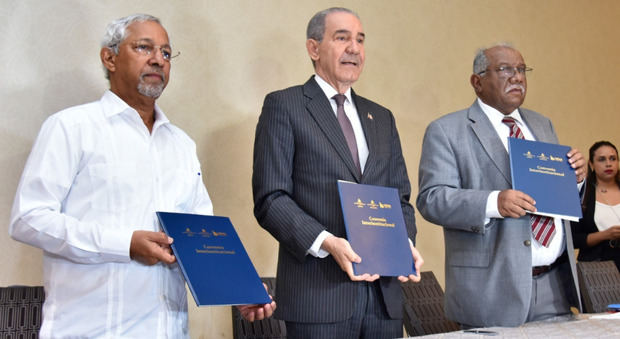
[[150, 248], [578, 163], [341, 251], [257, 312], [514, 204], [418, 262]]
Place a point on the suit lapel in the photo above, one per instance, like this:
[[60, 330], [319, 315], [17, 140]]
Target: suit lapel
[[487, 136], [369, 127], [537, 129], [320, 109]]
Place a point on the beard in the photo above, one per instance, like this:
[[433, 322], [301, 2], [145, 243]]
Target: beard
[[151, 90]]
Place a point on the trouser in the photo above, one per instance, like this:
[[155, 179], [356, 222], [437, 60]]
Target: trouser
[[369, 320]]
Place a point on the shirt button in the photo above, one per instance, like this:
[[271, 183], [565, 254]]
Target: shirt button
[[527, 243]]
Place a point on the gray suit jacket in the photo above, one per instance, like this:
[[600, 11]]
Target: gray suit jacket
[[300, 153], [488, 267]]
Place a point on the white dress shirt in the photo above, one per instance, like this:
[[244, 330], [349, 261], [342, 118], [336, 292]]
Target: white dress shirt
[[541, 255], [94, 176]]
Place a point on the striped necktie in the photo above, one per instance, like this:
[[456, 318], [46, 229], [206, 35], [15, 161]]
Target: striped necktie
[[543, 228]]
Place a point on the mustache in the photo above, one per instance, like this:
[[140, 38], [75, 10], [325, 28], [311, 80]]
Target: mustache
[[351, 59], [154, 70], [515, 86]]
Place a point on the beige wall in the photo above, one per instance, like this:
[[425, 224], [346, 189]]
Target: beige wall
[[419, 56]]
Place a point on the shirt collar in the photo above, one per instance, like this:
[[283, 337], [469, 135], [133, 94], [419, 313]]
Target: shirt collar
[[160, 118], [329, 90], [114, 105], [496, 116]]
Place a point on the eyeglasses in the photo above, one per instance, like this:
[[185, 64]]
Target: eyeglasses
[[146, 48], [510, 71]]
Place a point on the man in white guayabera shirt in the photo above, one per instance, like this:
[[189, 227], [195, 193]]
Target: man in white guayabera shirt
[[88, 195]]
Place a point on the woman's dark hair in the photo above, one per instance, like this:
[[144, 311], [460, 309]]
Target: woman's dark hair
[[591, 178]]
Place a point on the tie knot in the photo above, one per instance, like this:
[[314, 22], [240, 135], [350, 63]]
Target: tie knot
[[509, 121], [339, 98], [515, 131]]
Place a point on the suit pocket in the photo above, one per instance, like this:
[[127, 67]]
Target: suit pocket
[[469, 258], [467, 249]]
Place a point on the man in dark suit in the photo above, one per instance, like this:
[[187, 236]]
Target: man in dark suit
[[300, 153], [497, 273]]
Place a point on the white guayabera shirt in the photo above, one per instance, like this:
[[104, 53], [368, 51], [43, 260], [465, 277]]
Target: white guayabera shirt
[[94, 176]]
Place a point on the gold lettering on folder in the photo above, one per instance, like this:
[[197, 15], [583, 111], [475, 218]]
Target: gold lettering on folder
[[206, 249], [382, 222]]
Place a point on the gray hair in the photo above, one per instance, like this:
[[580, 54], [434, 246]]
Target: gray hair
[[316, 25], [116, 32], [481, 62]]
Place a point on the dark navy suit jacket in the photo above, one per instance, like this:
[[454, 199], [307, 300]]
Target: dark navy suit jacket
[[300, 153]]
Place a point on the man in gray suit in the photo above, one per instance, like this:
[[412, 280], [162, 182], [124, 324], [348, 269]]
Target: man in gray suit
[[300, 153], [497, 274]]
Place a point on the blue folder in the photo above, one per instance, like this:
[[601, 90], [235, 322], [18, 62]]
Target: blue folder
[[376, 229], [216, 266], [541, 170]]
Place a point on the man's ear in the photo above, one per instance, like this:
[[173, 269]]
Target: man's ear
[[474, 80], [108, 59], [313, 49]]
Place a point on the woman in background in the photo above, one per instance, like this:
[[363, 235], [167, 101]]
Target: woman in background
[[597, 235]]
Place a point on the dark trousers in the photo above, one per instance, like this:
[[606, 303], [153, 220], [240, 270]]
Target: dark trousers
[[369, 320]]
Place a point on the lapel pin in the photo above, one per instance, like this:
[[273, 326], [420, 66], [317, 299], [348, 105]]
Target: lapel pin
[[369, 116]]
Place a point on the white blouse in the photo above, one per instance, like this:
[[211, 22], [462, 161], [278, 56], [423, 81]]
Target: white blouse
[[606, 216]]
